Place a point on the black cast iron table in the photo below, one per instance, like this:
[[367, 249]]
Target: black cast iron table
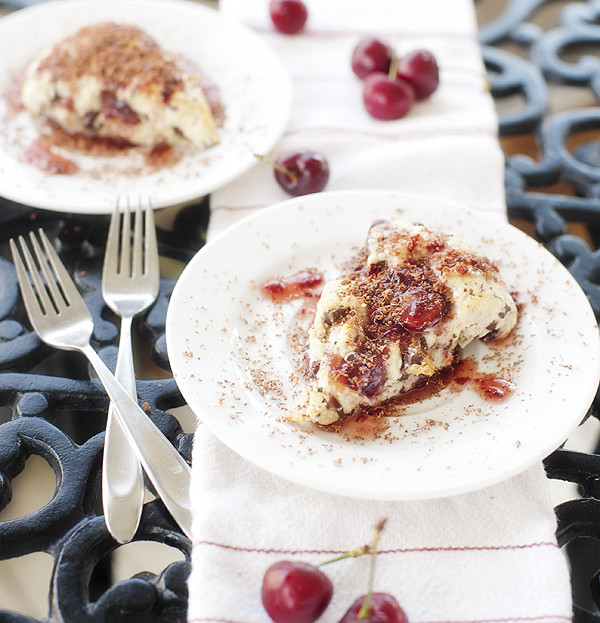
[[52, 406]]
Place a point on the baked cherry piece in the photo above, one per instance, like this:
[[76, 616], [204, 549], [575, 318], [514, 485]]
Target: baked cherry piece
[[387, 99], [302, 172], [371, 55], [383, 608], [295, 592], [420, 69], [421, 310], [288, 16]]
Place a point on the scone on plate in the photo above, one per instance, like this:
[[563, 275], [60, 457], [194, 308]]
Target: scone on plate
[[113, 81], [397, 316]]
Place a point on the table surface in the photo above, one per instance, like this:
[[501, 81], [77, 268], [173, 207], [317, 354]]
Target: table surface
[[53, 541]]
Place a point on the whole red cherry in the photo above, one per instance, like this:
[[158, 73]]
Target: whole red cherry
[[302, 172], [387, 99], [371, 55], [420, 69], [382, 609], [288, 16], [295, 592]]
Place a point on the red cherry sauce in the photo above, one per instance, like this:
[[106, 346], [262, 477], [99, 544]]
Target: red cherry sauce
[[372, 423], [41, 155], [488, 386], [303, 284]]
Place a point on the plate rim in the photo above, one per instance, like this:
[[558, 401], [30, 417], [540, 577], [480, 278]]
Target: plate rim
[[99, 207], [584, 398]]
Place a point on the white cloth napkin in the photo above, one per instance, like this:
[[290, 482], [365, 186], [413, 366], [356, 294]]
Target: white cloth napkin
[[487, 556]]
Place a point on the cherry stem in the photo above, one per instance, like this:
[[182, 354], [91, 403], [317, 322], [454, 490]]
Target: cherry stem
[[293, 176], [359, 551], [363, 613], [393, 70]]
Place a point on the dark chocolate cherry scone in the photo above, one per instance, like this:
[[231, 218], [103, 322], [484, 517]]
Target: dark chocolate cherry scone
[[114, 82], [400, 313]]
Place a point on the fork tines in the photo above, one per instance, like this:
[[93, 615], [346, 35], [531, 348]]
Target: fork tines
[[45, 279], [132, 258]]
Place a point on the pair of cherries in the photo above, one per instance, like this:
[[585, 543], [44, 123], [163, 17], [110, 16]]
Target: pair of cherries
[[298, 592]]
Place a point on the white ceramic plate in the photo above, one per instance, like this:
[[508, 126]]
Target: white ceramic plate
[[229, 350], [255, 89]]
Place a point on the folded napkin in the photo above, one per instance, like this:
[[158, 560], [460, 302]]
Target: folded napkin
[[486, 556]]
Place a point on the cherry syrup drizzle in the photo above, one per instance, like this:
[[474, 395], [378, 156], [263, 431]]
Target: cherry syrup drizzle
[[303, 284], [487, 386], [373, 423], [40, 154]]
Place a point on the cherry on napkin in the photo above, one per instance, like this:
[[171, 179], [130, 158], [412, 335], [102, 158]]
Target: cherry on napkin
[[487, 556], [446, 146]]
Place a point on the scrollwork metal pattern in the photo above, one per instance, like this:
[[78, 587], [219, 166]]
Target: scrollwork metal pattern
[[37, 386], [530, 182]]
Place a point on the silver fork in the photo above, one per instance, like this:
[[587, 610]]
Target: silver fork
[[59, 315], [130, 280]]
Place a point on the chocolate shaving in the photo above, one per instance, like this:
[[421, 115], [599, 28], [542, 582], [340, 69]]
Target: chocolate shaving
[[116, 53]]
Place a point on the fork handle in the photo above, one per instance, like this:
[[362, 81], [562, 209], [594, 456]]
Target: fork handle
[[122, 477], [165, 467]]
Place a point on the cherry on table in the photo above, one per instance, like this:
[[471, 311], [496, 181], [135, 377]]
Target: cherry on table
[[383, 608], [371, 55], [295, 592], [420, 69], [300, 172], [288, 16], [387, 99]]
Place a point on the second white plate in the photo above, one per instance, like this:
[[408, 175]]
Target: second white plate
[[229, 348], [255, 89]]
